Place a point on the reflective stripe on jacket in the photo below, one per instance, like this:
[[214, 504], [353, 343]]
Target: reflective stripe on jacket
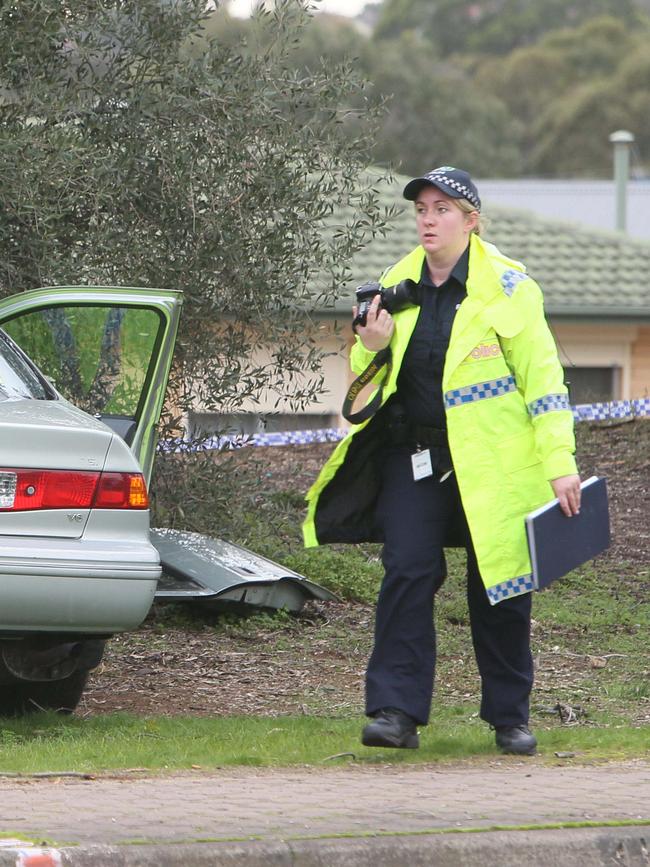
[[508, 417]]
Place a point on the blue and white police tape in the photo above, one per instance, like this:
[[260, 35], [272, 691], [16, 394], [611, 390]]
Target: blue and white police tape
[[614, 410], [235, 441]]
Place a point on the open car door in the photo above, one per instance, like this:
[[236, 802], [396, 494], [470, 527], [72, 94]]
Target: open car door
[[108, 350]]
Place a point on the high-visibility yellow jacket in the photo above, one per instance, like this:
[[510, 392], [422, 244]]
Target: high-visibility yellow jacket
[[509, 421]]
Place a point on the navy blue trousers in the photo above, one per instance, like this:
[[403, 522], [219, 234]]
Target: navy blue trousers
[[416, 517]]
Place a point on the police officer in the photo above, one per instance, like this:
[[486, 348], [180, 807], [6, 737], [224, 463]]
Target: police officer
[[475, 431]]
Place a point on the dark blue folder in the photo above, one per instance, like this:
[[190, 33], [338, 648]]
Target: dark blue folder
[[558, 544]]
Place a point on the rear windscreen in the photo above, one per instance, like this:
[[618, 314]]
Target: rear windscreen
[[18, 379]]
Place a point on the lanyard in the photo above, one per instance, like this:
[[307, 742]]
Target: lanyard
[[382, 359]]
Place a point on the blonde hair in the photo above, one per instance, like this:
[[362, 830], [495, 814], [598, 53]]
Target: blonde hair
[[468, 208]]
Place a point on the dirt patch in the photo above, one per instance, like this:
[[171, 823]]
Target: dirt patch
[[314, 663], [621, 453], [295, 669]]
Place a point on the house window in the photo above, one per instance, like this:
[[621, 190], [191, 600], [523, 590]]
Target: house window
[[592, 384], [202, 424]]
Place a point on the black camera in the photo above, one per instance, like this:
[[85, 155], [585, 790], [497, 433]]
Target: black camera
[[392, 298]]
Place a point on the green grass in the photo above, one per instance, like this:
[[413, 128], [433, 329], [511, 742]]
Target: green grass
[[118, 742], [354, 574]]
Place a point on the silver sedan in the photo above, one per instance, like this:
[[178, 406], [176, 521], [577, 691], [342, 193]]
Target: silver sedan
[[83, 372]]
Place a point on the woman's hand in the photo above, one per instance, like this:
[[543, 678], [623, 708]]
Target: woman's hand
[[379, 327], [567, 490]]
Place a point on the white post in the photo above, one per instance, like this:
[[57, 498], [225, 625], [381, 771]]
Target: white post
[[621, 139]]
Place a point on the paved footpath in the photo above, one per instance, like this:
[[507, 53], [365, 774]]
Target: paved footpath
[[379, 815]]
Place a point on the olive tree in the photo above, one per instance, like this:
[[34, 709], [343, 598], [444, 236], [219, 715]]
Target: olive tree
[[136, 149]]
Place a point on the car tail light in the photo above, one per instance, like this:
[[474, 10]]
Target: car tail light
[[121, 491], [30, 490]]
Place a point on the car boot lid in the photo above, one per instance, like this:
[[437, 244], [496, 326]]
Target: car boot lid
[[40, 435]]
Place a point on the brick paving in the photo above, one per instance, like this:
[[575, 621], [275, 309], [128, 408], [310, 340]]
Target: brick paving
[[275, 805]]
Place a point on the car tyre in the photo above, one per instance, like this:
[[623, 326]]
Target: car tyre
[[62, 696]]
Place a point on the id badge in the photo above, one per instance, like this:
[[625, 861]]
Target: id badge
[[421, 465]]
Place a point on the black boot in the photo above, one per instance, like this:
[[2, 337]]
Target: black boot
[[391, 727], [517, 740]]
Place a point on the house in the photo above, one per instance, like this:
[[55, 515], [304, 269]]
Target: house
[[596, 287]]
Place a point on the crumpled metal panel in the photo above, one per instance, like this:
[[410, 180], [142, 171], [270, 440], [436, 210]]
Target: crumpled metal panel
[[200, 567]]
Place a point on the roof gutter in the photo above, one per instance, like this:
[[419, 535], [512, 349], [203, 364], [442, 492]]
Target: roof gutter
[[599, 312], [634, 314]]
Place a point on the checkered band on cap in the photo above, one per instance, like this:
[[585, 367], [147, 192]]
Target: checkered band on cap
[[460, 189], [549, 403], [454, 182], [512, 587], [480, 391]]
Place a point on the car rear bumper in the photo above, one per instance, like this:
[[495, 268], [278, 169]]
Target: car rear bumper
[[73, 604], [75, 587]]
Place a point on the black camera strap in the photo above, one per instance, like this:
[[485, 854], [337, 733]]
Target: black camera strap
[[383, 358]]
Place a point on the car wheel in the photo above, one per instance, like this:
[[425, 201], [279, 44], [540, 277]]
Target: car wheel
[[62, 696]]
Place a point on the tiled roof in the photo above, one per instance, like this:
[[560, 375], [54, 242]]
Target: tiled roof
[[583, 272]]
